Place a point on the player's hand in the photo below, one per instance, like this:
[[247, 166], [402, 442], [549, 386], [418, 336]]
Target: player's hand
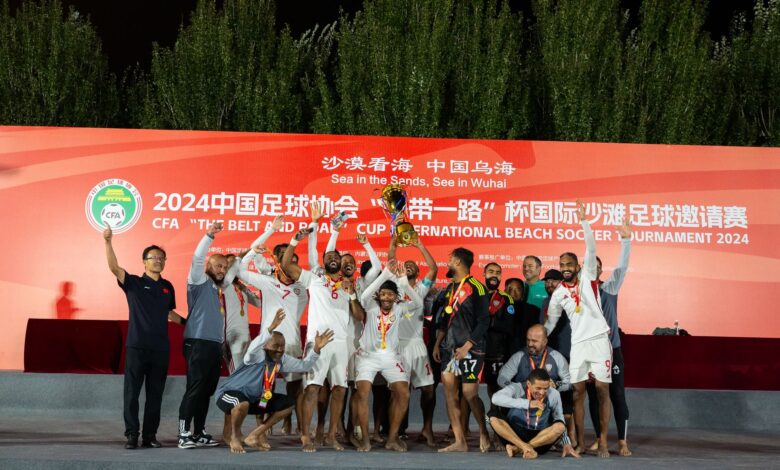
[[400, 270], [362, 238], [580, 210], [348, 286], [436, 353], [625, 228], [392, 265], [338, 225], [277, 319], [108, 234], [301, 234], [278, 223], [215, 228], [462, 351], [316, 211], [536, 404], [321, 340], [260, 249], [569, 450]]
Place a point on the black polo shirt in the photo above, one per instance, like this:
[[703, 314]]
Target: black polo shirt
[[149, 302]]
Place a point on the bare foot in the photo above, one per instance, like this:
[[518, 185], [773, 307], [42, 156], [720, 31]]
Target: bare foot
[[333, 442], [511, 450], [396, 445], [427, 438], [593, 448], [456, 447], [377, 438], [623, 449], [529, 453], [287, 428], [484, 443], [580, 449], [259, 442], [364, 446], [307, 445], [603, 452], [319, 436], [236, 447]]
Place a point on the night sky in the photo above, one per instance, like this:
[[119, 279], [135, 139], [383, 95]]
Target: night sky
[[129, 28]]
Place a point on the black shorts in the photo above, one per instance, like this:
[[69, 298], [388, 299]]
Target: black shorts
[[492, 368], [231, 398], [526, 435], [470, 369], [567, 401]]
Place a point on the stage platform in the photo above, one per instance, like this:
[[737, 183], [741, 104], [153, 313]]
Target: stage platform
[[74, 422]]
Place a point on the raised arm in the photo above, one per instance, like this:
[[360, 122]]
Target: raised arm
[[355, 308], [255, 353], [415, 301], [197, 273], [432, 268], [314, 257], [293, 364], [292, 270], [232, 271], [615, 281], [372, 288], [276, 225], [554, 311], [376, 265], [253, 278], [589, 263], [113, 264]]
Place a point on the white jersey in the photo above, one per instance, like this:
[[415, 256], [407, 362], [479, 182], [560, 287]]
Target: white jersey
[[411, 326], [379, 324], [328, 306], [292, 298], [588, 322]]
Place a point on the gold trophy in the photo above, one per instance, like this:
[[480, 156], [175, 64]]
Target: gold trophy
[[394, 200]]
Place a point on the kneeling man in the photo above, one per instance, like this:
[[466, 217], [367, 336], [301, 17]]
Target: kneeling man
[[531, 417], [250, 389]]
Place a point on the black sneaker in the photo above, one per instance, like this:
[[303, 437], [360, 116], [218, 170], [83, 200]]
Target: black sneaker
[[186, 441], [205, 440], [132, 442], [151, 442]]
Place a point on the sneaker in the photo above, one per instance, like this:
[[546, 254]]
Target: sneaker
[[186, 441], [132, 441], [205, 440]]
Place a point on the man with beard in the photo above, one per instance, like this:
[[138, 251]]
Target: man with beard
[[499, 335], [204, 335], [410, 336], [332, 300], [617, 390], [151, 302], [534, 290], [278, 291], [530, 419], [591, 352], [464, 328], [250, 389], [537, 355], [379, 352]]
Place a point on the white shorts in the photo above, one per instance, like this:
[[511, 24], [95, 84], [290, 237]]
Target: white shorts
[[295, 351], [351, 368], [416, 359], [331, 365], [593, 356], [390, 365], [238, 343]]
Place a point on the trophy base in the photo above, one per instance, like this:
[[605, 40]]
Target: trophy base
[[405, 234]]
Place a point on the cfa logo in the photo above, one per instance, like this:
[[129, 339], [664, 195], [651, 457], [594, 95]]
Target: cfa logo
[[113, 202]]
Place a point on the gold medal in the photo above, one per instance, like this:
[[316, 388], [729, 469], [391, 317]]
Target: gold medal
[[577, 309], [539, 412], [241, 312], [448, 310], [267, 395]]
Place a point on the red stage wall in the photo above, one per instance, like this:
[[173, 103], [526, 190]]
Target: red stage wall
[[706, 219]]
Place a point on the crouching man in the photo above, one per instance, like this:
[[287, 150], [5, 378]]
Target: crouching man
[[250, 389], [530, 419]]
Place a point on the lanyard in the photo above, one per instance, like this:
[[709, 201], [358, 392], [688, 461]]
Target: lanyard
[[383, 327], [223, 304], [268, 382], [541, 363], [221, 301], [334, 287]]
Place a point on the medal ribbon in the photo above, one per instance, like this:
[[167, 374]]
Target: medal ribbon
[[383, 327], [528, 411], [240, 298], [268, 382], [334, 287], [541, 363], [221, 301], [454, 297], [574, 291]]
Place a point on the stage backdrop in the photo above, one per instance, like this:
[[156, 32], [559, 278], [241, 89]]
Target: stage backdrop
[[706, 219]]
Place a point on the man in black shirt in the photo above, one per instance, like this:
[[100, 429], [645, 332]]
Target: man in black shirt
[[463, 327], [151, 301]]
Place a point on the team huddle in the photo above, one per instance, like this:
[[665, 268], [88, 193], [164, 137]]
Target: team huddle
[[541, 345]]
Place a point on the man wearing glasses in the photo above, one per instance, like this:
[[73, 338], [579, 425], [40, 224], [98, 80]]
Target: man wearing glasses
[[151, 302]]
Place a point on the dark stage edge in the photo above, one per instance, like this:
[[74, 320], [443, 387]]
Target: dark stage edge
[[43, 443]]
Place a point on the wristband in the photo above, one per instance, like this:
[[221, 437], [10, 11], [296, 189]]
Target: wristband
[[293, 242], [352, 296], [210, 235]]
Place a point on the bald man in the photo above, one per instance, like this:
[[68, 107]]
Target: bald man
[[204, 335]]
